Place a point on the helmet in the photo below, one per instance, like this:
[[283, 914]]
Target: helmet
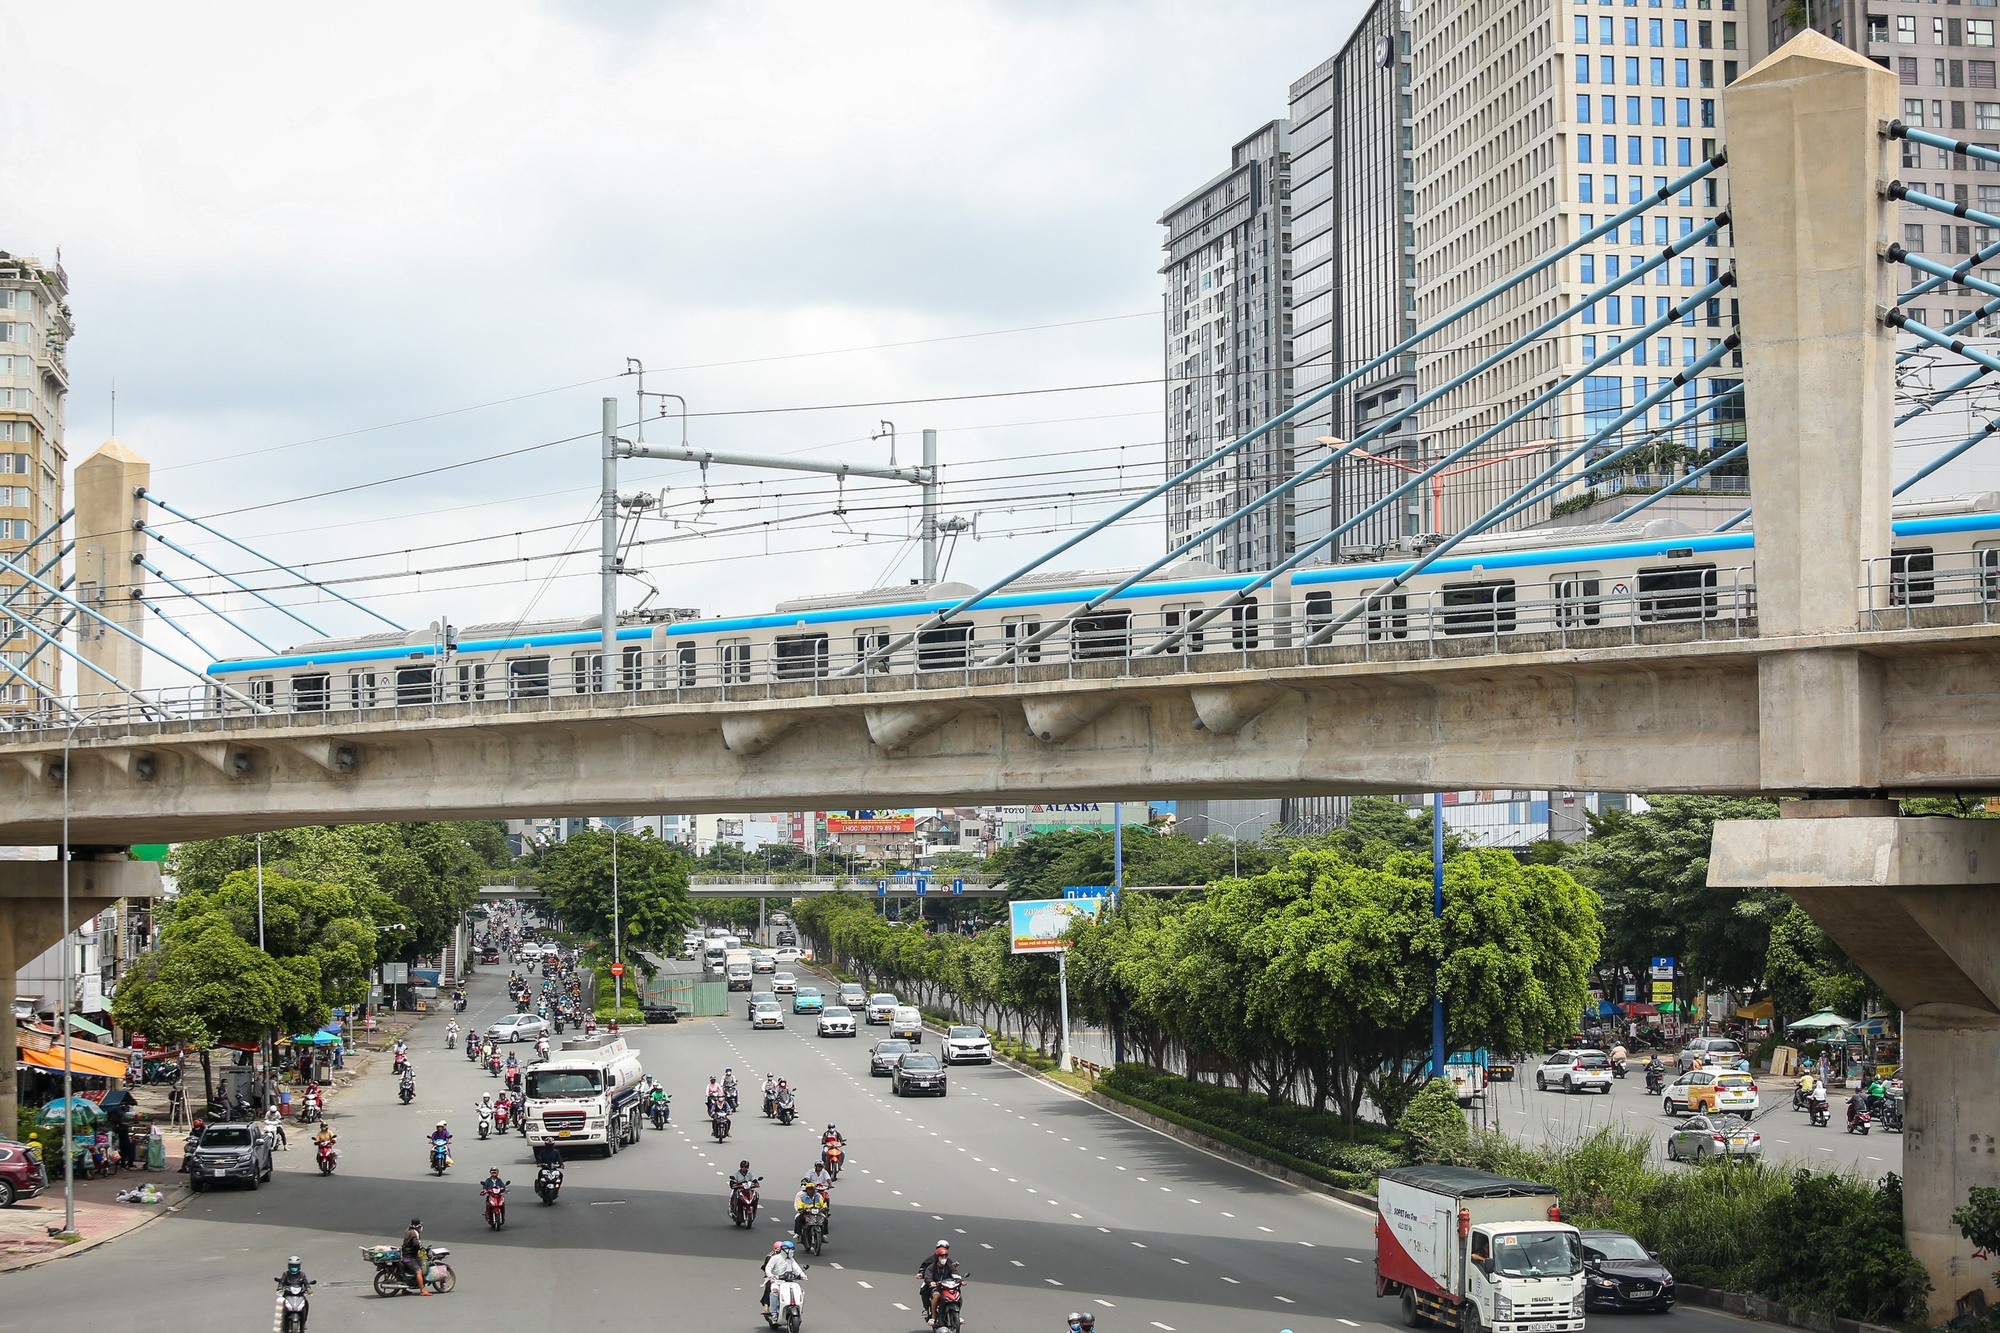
[[292, 1263], [440, 1124], [788, 1246], [944, 1247], [776, 1246], [416, 1222], [744, 1164], [1087, 1320], [1074, 1316]]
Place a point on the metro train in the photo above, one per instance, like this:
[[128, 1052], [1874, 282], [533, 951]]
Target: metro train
[[1536, 581]]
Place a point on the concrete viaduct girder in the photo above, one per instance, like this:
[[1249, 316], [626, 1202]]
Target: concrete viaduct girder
[[1675, 715]]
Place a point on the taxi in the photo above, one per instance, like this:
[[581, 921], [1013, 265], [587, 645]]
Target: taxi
[[1708, 1091]]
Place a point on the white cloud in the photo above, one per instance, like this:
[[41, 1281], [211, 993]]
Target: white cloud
[[283, 224]]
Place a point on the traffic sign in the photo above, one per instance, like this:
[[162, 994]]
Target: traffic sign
[[618, 969], [1085, 891], [923, 885], [958, 886], [881, 888]]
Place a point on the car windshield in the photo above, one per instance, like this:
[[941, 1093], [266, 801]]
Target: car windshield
[[1593, 1059], [836, 1012], [919, 1061], [891, 1047], [226, 1136], [1617, 1247], [1537, 1254], [882, 999], [1728, 1124], [807, 992], [562, 1083], [965, 1032]]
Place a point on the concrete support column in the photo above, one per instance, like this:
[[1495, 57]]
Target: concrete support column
[[1807, 162], [108, 579], [31, 921], [1916, 904]]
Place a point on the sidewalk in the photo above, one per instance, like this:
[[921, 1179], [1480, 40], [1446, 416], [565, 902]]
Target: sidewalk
[[25, 1229]]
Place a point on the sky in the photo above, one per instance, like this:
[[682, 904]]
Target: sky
[[334, 260]]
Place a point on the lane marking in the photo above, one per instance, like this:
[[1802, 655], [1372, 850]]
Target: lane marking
[[1232, 1282], [1052, 1282], [1138, 1244], [1349, 1322], [1017, 1263], [899, 1305], [1308, 1244], [1350, 1259], [1106, 1304], [1229, 1214], [1181, 1262], [1287, 1300], [1168, 1327]]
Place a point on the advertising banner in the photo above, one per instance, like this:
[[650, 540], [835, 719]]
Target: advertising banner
[[1039, 924], [872, 821]]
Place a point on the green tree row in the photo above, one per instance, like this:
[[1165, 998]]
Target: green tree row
[[651, 908]]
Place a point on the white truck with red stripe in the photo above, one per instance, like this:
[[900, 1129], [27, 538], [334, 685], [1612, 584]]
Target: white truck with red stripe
[[1476, 1252]]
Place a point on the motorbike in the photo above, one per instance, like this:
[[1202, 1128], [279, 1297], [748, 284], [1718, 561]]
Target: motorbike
[[833, 1155], [485, 1123], [391, 1280], [458, 1004], [226, 1109], [1655, 1080], [513, 1079], [787, 1112], [451, 1040], [1818, 1114], [548, 1182], [494, 1063], [729, 1092], [787, 1307], [402, 1062], [743, 1204], [1618, 1069], [770, 1103], [502, 1112], [309, 1111], [1857, 1119], [661, 1108], [292, 1300], [495, 1197], [440, 1156], [812, 1232], [949, 1297], [718, 1125], [472, 1047], [407, 1093], [327, 1159]]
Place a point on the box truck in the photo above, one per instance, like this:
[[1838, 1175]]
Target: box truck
[[1476, 1252]]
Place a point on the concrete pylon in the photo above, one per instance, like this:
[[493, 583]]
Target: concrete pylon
[[31, 921], [1916, 903], [109, 540], [1807, 162]]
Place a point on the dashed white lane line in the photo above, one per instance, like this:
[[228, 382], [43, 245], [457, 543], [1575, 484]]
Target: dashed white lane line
[[1349, 1322], [1350, 1258], [1229, 1214], [1017, 1263], [1181, 1262], [1138, 1244], [1308, 1244], [900, 1306], [1106, 1304], [1287, 1300], [869, 1285], [1169, 1328], [984, 1246], [1263, 1228], [1232, 1282], [1052, 1282]]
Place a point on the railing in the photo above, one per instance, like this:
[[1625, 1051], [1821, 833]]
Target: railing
[[1907, 591], [1473, 619], [1629, 482]]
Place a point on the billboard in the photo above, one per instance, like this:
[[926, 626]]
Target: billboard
[[1039, 924], [884, 824]]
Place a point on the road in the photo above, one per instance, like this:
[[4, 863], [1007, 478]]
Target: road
[[1788, 1137], [1051, 1203]]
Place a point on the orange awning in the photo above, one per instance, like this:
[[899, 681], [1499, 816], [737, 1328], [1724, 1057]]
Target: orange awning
[[81, 1062]]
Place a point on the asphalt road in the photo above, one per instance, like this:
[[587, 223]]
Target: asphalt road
[[1788, 1136], [1051, 1204]]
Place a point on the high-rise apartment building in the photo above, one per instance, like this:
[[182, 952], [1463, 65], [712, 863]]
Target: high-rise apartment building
[[1945, 58], [34, 384], [1533, 123], [1354, 273], [1226, 334]]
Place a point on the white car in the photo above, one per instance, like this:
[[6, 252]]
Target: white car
[[1575, 1071], [881, 1007], [1709, 1091], [836, 1022], [967, 1045], [784, 984], [787, 955], [767, 1016]]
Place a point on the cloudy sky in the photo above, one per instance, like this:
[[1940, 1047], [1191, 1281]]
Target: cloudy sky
[[321, 250]]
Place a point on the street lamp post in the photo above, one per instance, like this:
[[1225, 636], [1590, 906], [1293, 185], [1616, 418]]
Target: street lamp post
[[1234, 843]]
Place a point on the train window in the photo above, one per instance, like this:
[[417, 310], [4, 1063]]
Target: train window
[[1389, 616], [472, 680], [684, 663], [416, 685], [264, 692], [310, 694], [1912, 580], [1319, 612], [800, 656], [1989, 572], [1479, 608], [1106, 634], [1681, 592], [735, 657], [528, 678], [944, 647], [871, 641], [586, 672], [630, 668], [1577, 599], [1243, 625], [361, 689], [1018, 629], [1173, 618]]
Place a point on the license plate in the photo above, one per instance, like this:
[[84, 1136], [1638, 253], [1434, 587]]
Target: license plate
[[562, 1133], [1642, 1291], [1738, 1143]]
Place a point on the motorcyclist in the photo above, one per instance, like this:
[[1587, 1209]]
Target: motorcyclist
[[1082, 1323], [823, 1178], [402, 1053], [492, 1181], [295, 1275], [441, 1135], [781, 1265], [409, 1083], [714, 1088], [326, 1138], [831, 1137], [659, 1097], [729, 1087], [770, 1093], [718, 1107], [809, 1201], [1877, 1093], [413, 1256], [936, 1268], [451, 1034], [314, 1100], [1655, 1079], [785, 1096], [1816, 1100], [541, 1048], [1857, 1106], [742, 1176], [548, 1154]]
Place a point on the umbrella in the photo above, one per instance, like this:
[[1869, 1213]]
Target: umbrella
[[1820, 1021], [80, 1111], [316, 1039]]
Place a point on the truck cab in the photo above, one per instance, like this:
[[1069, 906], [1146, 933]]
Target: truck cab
[[1477, 1253]]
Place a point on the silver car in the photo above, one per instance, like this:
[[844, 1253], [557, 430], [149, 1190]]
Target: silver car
[[881, 1007], [1575, 1071], [518, 1027], [1700, 1137]]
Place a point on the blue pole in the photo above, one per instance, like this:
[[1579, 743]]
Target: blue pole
[[1117, 887], [1437, 912]]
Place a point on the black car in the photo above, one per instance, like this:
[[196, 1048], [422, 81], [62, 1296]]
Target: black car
[[882, 1059], [918, 1072], [230, 1152], [1619, 1274], [660, 1012]]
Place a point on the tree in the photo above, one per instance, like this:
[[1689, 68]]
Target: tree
[[327, 923], [205, 985], [1808, 972], [653, 906]]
